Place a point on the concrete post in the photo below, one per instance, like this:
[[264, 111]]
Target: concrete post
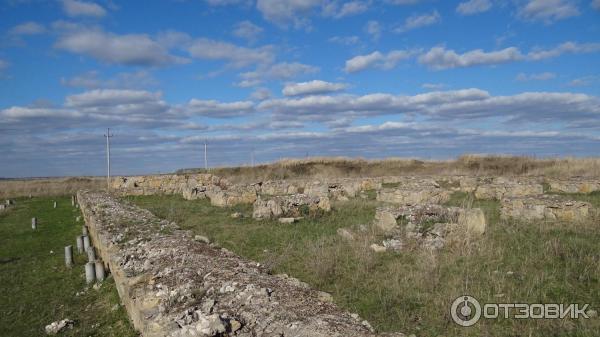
[[86, 242], [55, 204], [90, 272], [84, 230], [91, 253], [8, 202], [69, 256], [73, 200], [100, 274], [33, 223], [79, 241]]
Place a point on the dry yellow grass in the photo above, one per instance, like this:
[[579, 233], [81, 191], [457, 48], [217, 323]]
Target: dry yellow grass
[[332, 167], [14, 188]]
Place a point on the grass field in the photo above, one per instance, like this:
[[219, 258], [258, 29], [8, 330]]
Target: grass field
[[37, 289], [411, 291]]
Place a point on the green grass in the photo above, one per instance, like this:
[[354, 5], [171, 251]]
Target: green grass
[[411, 291], [37, 289]]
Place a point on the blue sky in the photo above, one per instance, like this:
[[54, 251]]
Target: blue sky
[[290, 78]]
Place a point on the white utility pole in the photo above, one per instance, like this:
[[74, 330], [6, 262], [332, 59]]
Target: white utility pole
[[108, 136], [205, 157]]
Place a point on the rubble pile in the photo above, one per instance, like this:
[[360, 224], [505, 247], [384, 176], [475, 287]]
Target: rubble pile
[[549, 207], [294, 205], [430, 225]]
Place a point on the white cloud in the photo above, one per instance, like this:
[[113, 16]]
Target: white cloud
[[345, 40], [373, 28], [433, 86], [92, 80], [418, 21], [441, 58], [548, 11], [583, 81], [545, 76], [247, 30], [376, 60], [83, 8], [350, 8], [564, 48], [215, 109], [225, 2], [403, 2], [27, 28], [284, 12], [110, 97], [237, 56], [473, 7], [457, 106], [278, 71], [261, 94], [129, 49], [312, 87]]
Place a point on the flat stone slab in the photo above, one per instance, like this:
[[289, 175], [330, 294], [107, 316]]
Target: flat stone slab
[[295, 205], [574, 185], [414, 194], [173, 285], [548, 207]]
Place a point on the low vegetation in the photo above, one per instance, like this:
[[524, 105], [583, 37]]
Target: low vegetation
[[37, 288], [411, 291], [12, 188], [330, 167]]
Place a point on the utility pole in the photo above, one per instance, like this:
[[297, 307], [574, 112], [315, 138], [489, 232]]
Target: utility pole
[[108, 136], [205, 157], [252, 157]]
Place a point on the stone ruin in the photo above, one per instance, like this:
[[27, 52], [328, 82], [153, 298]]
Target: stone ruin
[[500, 187], [429, 225], [290, 206], [574, 185], [545, 207], [164, 184], [414, 193], [172, 285]]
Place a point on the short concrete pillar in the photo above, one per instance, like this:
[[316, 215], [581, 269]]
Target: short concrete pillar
[[69, 256], [34, 223], [55, 204], [91, 253], [86, 242], [79, 241], [8, 202], [90, 272], [84, 230], [100, 273], [73, 200]]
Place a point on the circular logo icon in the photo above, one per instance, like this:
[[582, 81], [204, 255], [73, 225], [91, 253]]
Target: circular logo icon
[[465, 310]]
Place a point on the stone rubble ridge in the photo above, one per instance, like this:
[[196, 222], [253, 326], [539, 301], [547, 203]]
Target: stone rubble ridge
[[173, 285]]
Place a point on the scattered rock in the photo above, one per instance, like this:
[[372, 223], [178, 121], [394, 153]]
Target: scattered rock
[[237, 215], [378, 248], [287, 220], [58, 326], [201, 238], [345, 233]]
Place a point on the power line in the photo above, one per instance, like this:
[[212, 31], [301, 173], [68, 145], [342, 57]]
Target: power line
[[108, 136]]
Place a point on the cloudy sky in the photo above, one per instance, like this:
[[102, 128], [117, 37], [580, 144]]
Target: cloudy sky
[[290, 78]]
